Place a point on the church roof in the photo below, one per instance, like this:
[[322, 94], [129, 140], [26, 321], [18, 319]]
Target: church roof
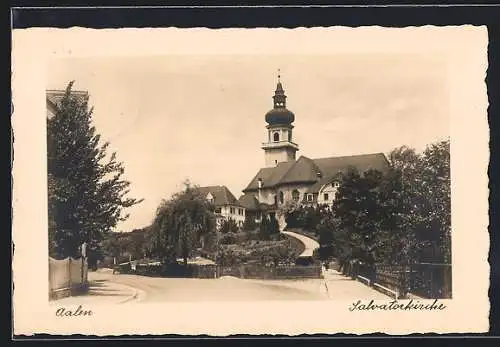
[[221, 195], [280, 115], [316, 172], [249, 201], [270, 176]]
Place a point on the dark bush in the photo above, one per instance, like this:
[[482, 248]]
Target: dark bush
[[228, 239]]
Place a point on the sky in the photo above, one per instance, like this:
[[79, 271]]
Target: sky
[[201, 117]]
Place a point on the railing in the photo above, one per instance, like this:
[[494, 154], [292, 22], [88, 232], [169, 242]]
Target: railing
[[431, 280], [67, 277], [426, 280]]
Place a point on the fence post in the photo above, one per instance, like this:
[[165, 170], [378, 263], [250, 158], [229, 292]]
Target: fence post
[[70, 284], [82, 273]]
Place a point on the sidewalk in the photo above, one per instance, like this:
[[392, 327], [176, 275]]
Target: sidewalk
[[342, 287], [101, 291], [334, 286]]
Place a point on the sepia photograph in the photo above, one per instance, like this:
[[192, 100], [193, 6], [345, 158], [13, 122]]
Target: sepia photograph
[[222, 175], [278, 177]]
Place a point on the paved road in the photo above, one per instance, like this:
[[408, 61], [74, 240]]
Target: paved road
[[107, 288], [310, 244], [155, 289]]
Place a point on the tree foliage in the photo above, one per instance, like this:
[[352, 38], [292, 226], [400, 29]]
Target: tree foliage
[[268, 227], [229, 226], [125, 245], [400, 217], [86, 189], [179, 224], [249, 223]]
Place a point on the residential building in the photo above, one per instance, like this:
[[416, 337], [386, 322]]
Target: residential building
[[226, 205]]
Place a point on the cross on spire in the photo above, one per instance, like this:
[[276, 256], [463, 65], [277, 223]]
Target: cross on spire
[[279, 75]]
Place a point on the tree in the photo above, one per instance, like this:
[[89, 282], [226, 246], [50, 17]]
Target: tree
[[422, 203], [358, 216], [291, 211], [229, 226], [433, 201], [86, 189], [264, 228], [111, 246], [249, 223], [274, 226], [179, 224]]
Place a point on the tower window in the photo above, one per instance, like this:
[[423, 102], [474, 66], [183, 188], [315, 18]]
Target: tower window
[[309, 197], [276, 137], [282, 197], [295, 195]]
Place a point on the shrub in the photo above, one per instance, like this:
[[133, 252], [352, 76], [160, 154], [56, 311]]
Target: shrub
[[249, 223], [229, 226], [228, 239]]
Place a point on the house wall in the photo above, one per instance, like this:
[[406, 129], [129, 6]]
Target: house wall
[[236, 213], [327, 189]]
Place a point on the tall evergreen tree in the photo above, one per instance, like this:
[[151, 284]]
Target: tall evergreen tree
[[264, 227], [86, 189]]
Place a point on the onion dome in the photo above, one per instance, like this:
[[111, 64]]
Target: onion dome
[[279, 114]]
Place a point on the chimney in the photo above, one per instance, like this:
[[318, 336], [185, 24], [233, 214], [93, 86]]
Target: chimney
[[259, 184]]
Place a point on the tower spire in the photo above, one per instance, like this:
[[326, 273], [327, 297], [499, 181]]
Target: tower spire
[[279, 94], [279, 146]]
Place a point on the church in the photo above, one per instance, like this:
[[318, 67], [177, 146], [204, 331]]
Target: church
[[308, 182]]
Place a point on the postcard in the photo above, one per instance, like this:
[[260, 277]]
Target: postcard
[[250, 181]]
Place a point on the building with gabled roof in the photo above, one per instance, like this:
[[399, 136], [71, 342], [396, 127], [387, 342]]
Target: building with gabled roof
[[226, 205], [306, 181]]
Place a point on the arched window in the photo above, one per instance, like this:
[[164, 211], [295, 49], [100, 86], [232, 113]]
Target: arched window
[[276, 137], [282, 197], [295, 195]]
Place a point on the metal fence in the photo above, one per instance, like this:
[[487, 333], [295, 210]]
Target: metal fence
[[430, 280], [67, 276], [426, 280]]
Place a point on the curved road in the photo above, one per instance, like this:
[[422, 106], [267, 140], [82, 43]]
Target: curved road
[[309, 243], [158, 289]]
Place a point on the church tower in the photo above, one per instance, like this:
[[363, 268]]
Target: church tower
[[279, 146]]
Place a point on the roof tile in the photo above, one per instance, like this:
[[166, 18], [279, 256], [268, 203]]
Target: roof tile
[[222, 195], [306, 170]]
